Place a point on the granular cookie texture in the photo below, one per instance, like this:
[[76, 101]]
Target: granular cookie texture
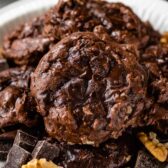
[[122, 24], [88, 90]]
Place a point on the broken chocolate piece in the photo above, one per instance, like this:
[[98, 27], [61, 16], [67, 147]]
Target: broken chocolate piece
[[4, 149], [25, 140], [145, 160], [17, 156], [44, 149]]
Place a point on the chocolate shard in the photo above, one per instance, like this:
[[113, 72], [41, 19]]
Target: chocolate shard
[[17, 156], [25, 140], [44, 149], [146, 160], [4, 149]]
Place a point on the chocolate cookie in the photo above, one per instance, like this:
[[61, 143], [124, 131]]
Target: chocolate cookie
[[14, 98], [68, 17], [155, 59], [26, 44], [122, 24], [118, 20], [88, 90], [30, 42]]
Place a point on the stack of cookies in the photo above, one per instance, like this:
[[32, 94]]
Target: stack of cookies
[[84, 84]]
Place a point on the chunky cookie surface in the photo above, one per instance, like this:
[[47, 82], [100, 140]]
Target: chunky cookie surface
[[14, 97], [88, 90]]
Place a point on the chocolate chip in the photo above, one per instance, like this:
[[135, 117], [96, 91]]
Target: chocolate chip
[[4, 149], [25, 140], [146, 160], [17, 156], [44, 149]]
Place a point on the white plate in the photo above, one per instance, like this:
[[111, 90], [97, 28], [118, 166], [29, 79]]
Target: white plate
[[156, 11]]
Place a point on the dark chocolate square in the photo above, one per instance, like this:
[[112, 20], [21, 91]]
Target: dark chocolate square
[[44, 149], [4, 149], [25, 140], [17, 156]]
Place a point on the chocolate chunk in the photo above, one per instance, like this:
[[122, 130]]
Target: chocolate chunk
[[4, 149], [88, 98], [44, 149], [17, 156], [3, 64], [25, 140], [146, 160]]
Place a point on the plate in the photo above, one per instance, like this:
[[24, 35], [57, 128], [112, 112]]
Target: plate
[[155, 11]]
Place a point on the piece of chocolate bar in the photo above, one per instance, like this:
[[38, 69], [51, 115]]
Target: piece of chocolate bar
[[146, 160], [17, 156], [4, 149], [44, 149], [25, 140]]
